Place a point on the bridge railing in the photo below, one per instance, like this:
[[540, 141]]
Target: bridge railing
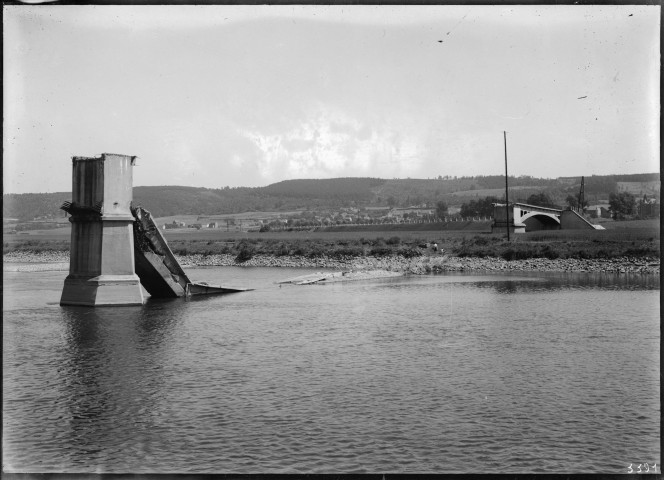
[[538, 208]]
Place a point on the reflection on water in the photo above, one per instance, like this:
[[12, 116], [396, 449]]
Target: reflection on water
[[112, 376], [521, 373]]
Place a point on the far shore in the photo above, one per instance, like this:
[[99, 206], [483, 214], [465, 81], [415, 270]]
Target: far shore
[[21, 261]]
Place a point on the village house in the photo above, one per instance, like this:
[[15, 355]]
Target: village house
[[648, 207], [173, 224], [598, 211], [418, 211]]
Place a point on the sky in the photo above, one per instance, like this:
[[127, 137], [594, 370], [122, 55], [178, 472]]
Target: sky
[[215, 96]]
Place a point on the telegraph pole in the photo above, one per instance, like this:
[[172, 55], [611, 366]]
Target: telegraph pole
[[507, 202], [581, 195]]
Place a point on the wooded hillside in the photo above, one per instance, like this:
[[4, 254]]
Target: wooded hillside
[[327, 193]]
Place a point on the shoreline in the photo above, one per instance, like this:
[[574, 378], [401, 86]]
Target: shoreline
[[58, 261]]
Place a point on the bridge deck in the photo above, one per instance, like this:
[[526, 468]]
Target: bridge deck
[[537, 208]]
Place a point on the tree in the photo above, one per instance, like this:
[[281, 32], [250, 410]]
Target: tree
[[482, 207], [541, 200], [245, 251], [441, 209], [621, 204], [573, 201]]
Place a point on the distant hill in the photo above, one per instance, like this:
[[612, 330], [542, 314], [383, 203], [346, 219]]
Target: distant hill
[[34, 206], [332, 193], [352, 189]]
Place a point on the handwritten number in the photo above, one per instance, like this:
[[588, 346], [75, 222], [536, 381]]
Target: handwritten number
[[646, 468]]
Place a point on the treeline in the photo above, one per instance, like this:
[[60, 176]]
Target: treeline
[[324, 193], [498, 181], [349, 188]]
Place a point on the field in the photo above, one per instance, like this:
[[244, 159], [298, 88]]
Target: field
[[191, 219], [639, 238]]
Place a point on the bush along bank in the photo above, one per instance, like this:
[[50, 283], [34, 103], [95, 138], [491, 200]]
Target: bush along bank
[[608, 253]]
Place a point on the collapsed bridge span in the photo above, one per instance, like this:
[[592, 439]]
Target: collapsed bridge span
[[156, 266], [115, 248]]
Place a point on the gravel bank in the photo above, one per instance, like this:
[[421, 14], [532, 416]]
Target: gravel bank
[[22, 261], [35, 262]]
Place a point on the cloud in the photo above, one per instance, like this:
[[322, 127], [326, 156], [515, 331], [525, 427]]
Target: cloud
[[324, 91], [331, 143]]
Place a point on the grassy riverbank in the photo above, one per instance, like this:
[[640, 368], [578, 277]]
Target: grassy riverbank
[[623, 247], [637, 242]]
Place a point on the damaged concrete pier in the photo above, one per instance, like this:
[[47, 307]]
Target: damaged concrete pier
[[101, 269], [116, 248]]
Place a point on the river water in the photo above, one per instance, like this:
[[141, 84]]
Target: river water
[[508, 373]]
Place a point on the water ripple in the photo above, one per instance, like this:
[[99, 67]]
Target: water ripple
[[410, 375]]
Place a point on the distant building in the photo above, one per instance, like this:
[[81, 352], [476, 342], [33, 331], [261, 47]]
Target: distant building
[[453, 211], [648, 208], [174, 224], [418, 211], [598, 211]]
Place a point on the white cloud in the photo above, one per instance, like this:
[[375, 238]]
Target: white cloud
[[347, 91], [331, 143]]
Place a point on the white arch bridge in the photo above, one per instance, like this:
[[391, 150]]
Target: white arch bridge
[[530, 218]]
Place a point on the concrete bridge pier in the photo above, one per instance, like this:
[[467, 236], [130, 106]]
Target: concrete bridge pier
[[501, 221], [101, 270]]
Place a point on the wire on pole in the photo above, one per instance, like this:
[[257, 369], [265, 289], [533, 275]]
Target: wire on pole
[[507, 202]]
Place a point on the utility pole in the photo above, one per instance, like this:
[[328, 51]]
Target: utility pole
[[581, 196], [507, 202]]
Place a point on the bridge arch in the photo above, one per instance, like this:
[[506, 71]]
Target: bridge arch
[[540, 221], [528, 218]]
